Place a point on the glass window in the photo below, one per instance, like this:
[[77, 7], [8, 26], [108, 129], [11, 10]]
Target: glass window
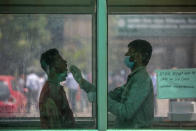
[[24, 38], [173, 39]]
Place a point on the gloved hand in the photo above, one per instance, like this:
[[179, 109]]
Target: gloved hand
[[76, 73], [116, 94]]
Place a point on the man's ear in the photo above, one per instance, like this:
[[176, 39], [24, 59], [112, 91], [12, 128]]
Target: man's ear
[[52, 71], [139, 57], [145, 57]]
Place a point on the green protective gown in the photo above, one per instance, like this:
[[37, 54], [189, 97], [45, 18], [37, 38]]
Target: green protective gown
[[132, 103]]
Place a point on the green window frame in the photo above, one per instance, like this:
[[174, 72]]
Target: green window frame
[[100, 10]]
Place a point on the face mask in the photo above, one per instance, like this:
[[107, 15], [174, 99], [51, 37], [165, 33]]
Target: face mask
[[62, 76], [128, 63]]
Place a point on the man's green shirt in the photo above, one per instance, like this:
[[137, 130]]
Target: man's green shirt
[[133, 103]]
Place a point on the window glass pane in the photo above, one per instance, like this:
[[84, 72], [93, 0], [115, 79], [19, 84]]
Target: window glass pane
[[24, 38], [173, 39]]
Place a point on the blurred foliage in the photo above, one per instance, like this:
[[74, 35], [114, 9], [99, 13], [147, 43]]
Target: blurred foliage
[[23, 38]]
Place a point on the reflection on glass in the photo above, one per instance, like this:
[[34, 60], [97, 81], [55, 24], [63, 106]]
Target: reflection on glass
[[23, 38], [173, 40]]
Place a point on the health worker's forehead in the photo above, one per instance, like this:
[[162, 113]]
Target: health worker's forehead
[[131, 50]]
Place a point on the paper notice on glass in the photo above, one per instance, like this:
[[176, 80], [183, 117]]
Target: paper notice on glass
[[176, 83]]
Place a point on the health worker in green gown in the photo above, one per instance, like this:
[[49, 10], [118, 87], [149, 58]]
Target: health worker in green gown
[[133, 102]]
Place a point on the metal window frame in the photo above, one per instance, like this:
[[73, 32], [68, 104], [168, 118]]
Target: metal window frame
[[151, 6], [142, 7], [47, 6], [99, 17], [99, 11], [102, 70]]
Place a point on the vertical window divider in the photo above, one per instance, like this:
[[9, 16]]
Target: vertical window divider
[[102, 64]]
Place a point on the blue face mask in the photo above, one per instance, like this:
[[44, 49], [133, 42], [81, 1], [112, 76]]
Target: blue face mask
[[62, 76], [128, 63]]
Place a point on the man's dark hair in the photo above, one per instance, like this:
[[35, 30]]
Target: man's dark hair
[[48, 58], [143, 47]]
